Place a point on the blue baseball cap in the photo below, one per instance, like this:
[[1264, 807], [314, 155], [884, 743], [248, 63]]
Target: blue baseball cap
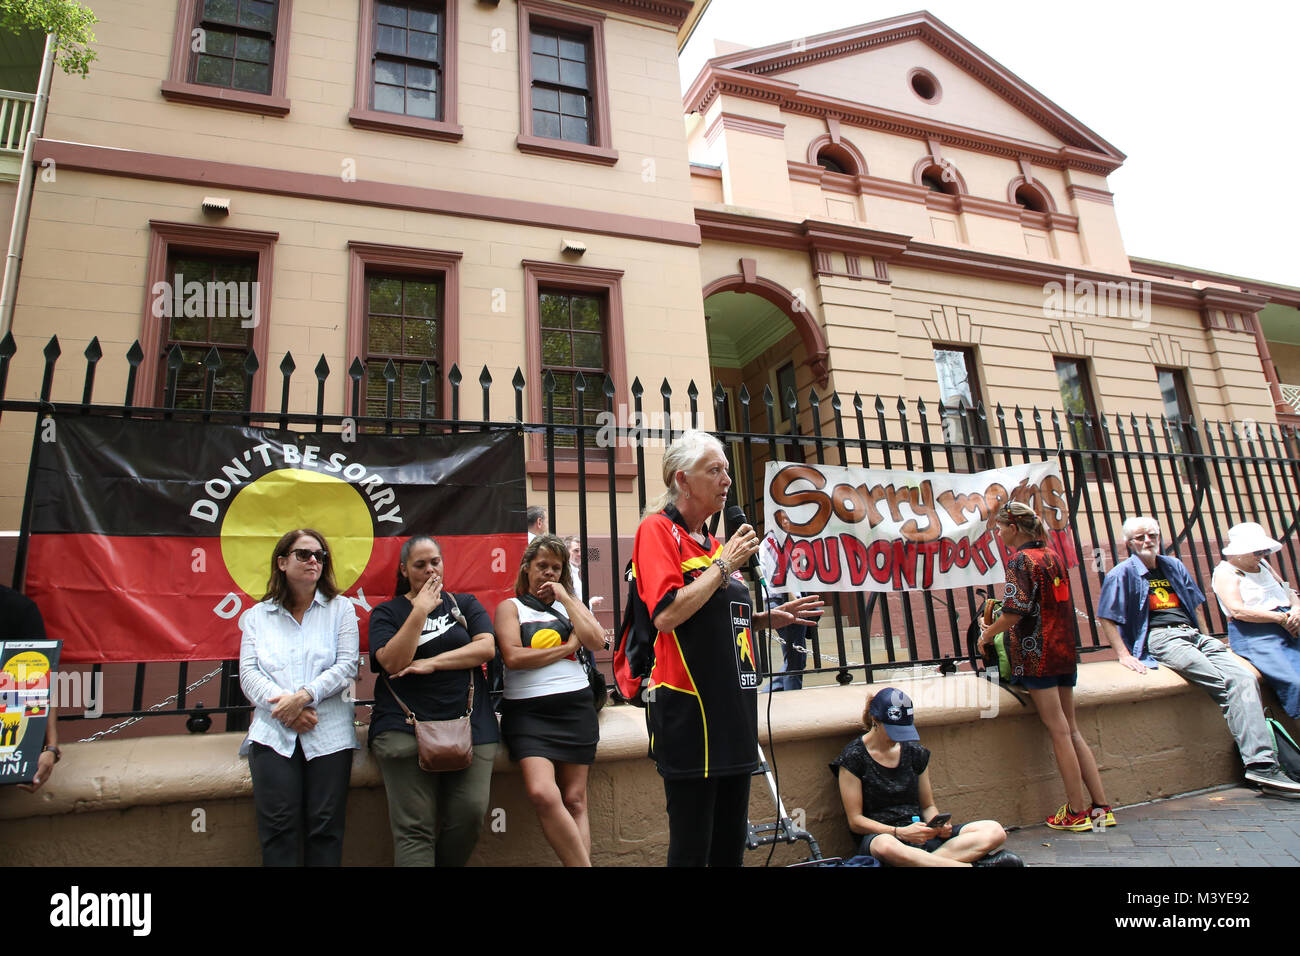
[[893, 710]]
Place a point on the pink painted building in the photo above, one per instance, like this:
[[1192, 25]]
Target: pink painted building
[[880, 210]]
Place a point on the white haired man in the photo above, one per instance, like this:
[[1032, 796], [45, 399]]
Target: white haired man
[[1149, 609]]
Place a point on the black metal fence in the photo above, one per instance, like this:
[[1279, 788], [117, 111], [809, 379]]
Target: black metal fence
[[1198, 479]]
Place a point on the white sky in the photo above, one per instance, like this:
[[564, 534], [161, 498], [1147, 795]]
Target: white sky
[[1201, 97]]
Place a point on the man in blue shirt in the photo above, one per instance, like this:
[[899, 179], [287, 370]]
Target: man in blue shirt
[[1148, 609]]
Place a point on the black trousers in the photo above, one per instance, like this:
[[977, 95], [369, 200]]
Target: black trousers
[[301, 805], [708, 820]]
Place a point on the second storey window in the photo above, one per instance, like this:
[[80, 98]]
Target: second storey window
[[234, 44], [408, 61], [564, 109], [561, 86], [231, 54], [573, 341]]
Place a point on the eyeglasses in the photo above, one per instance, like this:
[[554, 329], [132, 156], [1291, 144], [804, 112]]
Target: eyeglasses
[[1262, 554], [1145, 535], [304, 555]]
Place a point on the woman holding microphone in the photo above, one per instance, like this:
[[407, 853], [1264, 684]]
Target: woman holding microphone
[[702, 712]]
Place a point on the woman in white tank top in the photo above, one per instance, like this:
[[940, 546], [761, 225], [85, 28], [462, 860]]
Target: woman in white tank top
[[1264, 614], [548, 716]]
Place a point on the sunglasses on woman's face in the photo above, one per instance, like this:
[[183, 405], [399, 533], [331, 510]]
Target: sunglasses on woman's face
[[304, 555]]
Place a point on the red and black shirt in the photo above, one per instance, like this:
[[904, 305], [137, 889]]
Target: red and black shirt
[[1042, 641], [702, 713]]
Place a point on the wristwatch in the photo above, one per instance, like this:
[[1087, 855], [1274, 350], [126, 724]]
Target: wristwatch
[[54, 749]]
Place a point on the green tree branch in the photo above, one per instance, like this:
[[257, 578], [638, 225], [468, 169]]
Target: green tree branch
[[66, 18]]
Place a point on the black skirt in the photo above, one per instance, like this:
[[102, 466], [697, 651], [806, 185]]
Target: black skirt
[[559, 727]]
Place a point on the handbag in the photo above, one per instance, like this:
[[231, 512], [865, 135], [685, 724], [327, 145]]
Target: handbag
[[595, 679], [444, 745]]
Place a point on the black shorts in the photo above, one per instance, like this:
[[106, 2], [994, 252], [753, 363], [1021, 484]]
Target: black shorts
[[559, 727]]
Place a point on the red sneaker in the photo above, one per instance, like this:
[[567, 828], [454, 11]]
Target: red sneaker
[[1103, 810], [1067, 819]]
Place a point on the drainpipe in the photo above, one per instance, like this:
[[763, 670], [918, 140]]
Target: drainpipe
[[23, 201]]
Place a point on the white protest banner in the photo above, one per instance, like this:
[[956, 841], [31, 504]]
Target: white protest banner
[[849, 529]]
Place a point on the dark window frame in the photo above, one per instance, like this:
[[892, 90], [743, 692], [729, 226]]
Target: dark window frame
[[181, 87], [558, 86], [1180, 426], [375, 361], [1085, 434], [594, 396], [195, 351], [363, 114], [166, 239], [370, 258], [562, 474], [408, 60], [238, 32], [588, 25], [980, 460]]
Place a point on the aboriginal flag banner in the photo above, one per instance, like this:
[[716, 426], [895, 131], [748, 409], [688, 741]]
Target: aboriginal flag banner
[[850, 529], [150, 538]]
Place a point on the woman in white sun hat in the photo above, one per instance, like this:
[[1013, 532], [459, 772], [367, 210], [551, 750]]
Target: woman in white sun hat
[[1263, 611]]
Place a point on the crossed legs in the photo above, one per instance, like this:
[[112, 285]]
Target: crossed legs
[[975, 841]]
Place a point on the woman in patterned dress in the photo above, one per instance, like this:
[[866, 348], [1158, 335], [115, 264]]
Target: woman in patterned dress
[[1037, 612]]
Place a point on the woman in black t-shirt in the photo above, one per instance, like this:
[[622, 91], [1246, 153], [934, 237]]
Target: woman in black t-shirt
[[431, 645], [884, 781]]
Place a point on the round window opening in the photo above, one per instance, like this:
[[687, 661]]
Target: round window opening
[[925, 85]]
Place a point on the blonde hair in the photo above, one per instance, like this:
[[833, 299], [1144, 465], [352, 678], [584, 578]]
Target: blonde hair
[[682, 455], [1021, 517]]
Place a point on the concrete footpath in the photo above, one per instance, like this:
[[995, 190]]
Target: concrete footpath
[[1227, 826]]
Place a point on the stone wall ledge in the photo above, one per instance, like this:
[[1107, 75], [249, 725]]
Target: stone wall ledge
[[155, 771]]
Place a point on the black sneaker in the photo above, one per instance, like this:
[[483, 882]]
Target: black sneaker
[[1000, 858], [1273, 778]]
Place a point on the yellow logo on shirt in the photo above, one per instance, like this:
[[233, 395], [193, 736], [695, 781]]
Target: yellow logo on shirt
[[546, 637], [742, 642]]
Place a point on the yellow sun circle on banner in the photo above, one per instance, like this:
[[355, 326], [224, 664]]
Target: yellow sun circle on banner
[[27, 670], [546, 637], [291, 498]]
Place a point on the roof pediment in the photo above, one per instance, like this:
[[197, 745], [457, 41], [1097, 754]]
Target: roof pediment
[[803, 75]]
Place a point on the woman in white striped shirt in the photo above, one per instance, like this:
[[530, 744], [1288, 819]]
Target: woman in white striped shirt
[[297, 657]]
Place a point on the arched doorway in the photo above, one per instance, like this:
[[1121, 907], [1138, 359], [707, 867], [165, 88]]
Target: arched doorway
[[761, 336]]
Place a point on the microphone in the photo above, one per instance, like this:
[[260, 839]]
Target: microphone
[[732, 519]]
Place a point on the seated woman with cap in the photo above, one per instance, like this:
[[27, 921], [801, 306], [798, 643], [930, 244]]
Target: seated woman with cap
[[884, 781], [1263, 612]]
